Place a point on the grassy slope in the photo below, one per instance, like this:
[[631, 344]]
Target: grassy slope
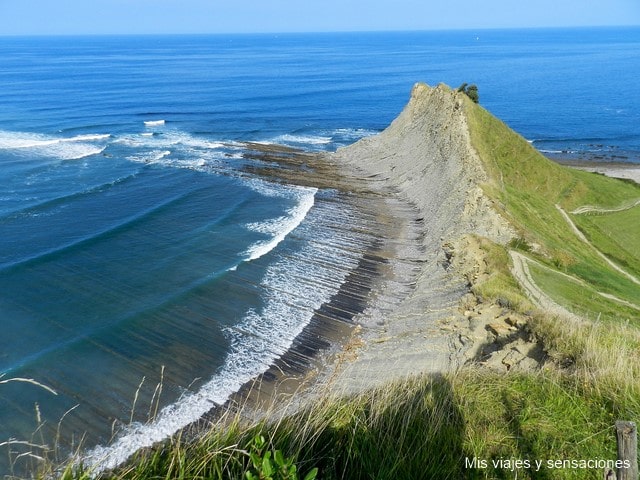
[[427, 427], [616, 234], [526, 187]]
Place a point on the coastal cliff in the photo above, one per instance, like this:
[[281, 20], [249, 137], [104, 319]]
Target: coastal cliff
[[499, 236], [425, 158], [426, 155]]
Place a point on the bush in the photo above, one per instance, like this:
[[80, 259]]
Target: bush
[[470, 91]]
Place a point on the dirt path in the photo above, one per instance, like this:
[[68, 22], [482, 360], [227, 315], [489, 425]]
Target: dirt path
[[524, 260], [593, 209], [581, 236], [521, 272]]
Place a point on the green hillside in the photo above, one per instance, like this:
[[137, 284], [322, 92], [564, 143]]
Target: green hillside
[[528, 189]]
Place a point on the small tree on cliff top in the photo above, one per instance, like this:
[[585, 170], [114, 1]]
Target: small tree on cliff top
[[470, 91]]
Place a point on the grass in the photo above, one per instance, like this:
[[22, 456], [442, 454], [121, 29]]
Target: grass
[[435, 426], [429, 426], [500, 286], [616, 235], [582, 299], [526, 187]]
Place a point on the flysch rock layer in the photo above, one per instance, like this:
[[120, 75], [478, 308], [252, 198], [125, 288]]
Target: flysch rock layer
[[424, 158]]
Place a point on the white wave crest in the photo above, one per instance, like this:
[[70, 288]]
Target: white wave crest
[[88, 138], [269, 189], [280, 227], [154, 123], [172, 138], [303, 139], [321, 139], [81, 151], [16, 140], [65, 148], [352, 134]]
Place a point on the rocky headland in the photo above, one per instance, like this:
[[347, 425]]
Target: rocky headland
[[420, 183]]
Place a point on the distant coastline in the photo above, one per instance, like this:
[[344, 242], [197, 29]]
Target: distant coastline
[[626, 170]]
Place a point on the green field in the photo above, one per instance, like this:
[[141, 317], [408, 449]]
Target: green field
[[616, 235]]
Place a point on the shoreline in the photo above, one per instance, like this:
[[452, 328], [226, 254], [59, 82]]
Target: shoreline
[[398, 313], [437, 327], [335, 332], [412, 322], [623, 170]]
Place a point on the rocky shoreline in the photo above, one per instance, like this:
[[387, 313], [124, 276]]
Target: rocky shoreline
[[407, 308], [419, 316]]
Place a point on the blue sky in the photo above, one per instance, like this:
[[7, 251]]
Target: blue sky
[[230, 16]]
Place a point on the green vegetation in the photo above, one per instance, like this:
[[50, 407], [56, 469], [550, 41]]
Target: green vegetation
[[271, 465], [428, 427], [500, 286], [616, 234], [470, 91], [446, 426], [526, 187], [581, 298]]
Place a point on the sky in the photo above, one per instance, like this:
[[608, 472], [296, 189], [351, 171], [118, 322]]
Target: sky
[[71, 17]]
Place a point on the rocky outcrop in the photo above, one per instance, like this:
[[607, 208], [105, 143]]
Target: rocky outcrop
[[426, 155], [424, 158]]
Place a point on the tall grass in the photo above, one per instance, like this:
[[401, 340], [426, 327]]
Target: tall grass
[[433, 426]]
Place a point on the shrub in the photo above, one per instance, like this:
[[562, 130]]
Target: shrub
[[470, 91]]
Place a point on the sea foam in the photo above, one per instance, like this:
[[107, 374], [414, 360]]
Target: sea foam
[[260, 338], [280, 227], [64, 148], [154, 123]]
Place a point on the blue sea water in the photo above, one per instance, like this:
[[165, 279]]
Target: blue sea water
[[133, 250]]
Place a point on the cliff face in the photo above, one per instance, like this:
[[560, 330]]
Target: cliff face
[[426, 155], [424, 158]]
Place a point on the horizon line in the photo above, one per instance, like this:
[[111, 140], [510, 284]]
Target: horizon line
[[318, 32]]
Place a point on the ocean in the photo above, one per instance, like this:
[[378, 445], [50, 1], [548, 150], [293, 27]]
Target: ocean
[[144, 274]]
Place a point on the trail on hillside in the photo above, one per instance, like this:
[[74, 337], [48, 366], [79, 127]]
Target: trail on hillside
[[539, 298], [532, 289], [584, 239], [594, 209]]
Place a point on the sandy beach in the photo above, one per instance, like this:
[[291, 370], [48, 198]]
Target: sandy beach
[[628, 171]]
